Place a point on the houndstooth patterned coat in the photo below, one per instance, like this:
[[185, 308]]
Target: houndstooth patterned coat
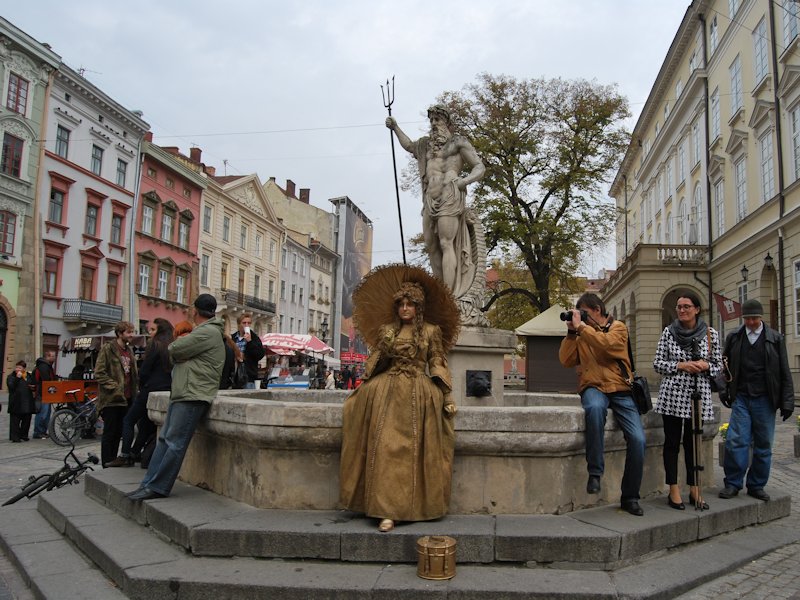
[[675, 393]]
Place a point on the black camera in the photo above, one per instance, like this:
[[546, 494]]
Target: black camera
[[567, 316]]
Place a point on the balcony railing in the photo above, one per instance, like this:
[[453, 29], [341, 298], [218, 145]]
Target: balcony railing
[[77, 309], [676, 256], [231, 297]]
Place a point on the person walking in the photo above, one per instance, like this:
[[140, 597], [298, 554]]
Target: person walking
[[199, 358], [598, 344], [760, 385], [43, 371], [330, 380], [688, 354], [117, 384], [250, 346], [21, 403]]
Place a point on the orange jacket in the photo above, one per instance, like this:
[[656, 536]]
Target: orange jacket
[[595, 355]]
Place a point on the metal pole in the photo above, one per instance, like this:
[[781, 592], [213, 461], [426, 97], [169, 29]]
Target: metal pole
[[697, 431], [388, 100]]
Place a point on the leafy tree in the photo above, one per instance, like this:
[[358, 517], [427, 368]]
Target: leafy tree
[[549, 147]]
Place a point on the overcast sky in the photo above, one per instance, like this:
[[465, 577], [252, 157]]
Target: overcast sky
[[291, 89]]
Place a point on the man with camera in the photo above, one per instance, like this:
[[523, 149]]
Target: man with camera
[[595, 344], [760, 385]]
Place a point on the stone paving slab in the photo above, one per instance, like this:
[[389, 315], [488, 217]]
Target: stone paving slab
[[48, 562], [269, 533], [604, 537], [475, 535], [558, 539], [147, 566]]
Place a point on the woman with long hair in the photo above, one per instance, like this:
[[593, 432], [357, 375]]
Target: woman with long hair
[[688, 354], [397, 432], [155, 375], [233, 356]]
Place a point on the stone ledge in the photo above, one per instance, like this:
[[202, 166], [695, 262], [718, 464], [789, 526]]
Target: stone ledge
[[149, 567], [287, 453], [606, 537]]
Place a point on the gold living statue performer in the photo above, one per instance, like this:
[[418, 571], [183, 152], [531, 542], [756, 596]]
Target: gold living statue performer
[[441, 157], [397, 427]]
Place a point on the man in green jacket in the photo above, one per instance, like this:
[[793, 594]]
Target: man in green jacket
[[198, 358]]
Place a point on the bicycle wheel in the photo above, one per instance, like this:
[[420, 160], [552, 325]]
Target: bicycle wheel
[[64, 427], [31, 489]]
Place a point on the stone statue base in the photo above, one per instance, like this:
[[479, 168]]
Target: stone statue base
[[480, 349]]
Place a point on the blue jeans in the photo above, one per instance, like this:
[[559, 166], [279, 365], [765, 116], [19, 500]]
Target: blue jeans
[[752, 421], [250, 385], [595, 405], [173, 441], [42, 420]]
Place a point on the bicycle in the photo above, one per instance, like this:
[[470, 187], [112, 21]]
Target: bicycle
[[67, 424], [66, 475]]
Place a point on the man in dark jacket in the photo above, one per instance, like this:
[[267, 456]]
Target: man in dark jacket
[[251, 347], [43, 372], [117, 385], [761, 384]]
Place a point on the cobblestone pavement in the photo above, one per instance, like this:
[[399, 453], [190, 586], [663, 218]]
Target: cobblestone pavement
[[17, 463], [776, 575]]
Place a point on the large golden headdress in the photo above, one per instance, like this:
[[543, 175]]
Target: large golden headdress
[[374, 301]]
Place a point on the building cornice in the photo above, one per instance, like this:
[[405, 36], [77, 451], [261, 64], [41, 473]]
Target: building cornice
[[71, 79]]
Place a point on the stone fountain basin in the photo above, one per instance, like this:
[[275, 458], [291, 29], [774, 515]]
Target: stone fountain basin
[[280, 449]]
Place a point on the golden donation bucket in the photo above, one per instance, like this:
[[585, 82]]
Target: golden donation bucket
[[437, 557]]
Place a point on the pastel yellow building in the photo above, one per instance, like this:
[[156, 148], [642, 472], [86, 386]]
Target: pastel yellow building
[[709, 190]]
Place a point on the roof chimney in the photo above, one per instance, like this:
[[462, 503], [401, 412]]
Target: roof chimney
[[290, 188], [305, 195], [148, 136], [211, 171], [194, 154]]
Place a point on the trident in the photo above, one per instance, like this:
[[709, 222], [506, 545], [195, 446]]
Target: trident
[[388, 100]]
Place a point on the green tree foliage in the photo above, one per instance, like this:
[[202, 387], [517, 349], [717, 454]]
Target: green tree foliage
[[550, 147]]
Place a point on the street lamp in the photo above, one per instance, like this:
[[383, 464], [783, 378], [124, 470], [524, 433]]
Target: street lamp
[[768, 261], [324, 329], [744, 272]]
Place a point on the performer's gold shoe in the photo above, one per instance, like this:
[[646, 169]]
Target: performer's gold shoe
[[386, 525]]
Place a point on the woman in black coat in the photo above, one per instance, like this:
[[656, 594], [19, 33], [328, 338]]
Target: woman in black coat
[[21, 403]]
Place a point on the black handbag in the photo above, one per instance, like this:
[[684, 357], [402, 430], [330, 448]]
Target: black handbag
[[719, 383], [640, 389], [239, 376]]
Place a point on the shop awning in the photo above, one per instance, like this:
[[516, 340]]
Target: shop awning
[[307, 344], [93, 343]]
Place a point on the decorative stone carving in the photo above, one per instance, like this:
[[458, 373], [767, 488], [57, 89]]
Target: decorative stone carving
[[248, 197]]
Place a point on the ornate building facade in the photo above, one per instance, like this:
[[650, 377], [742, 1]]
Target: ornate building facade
[[709, 190], [167, 232], [26, 68], [88, 184], [239, 250]]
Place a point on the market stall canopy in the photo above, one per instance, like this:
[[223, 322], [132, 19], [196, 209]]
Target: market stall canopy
[[546, 324], [282, 342], [333, 363], [93, 343]]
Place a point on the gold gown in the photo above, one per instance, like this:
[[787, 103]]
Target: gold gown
[[397, 444]]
